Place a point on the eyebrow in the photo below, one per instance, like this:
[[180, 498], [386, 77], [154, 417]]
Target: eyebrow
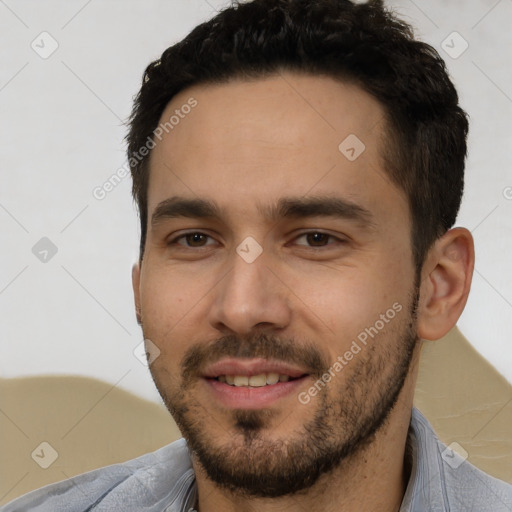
[[285, 208]]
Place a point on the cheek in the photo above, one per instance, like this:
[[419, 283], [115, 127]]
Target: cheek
[[174, 308], [347, 298], [353, 303], [168, 296]]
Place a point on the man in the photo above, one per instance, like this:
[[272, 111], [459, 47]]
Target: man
[[298, 167]]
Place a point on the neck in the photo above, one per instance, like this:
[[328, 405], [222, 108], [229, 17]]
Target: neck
[[374, 478]]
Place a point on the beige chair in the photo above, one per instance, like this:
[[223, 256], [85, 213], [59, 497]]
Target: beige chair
[[89, 424], [467, 402]]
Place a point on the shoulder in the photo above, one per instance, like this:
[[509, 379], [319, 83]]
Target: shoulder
[[469, 488], [153, 479], [452, 481]]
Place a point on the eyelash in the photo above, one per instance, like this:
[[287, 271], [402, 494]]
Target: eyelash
[[175, 240]]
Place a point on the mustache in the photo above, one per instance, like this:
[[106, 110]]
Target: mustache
[[265, 346]]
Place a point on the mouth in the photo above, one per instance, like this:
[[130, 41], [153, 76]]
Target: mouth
[[254, 381], [252, 384]]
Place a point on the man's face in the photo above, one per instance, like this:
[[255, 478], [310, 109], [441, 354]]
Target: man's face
[[272, 254]]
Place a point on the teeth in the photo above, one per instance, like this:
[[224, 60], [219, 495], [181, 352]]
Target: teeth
[[272, 378], [241, 380], [255, 381]]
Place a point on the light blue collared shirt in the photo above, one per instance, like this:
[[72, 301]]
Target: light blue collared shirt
[[164, 481]]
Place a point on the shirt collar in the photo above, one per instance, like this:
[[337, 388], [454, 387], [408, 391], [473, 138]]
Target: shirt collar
[[425, 491]]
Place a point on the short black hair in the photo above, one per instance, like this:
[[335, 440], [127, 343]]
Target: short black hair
[[365, 44]]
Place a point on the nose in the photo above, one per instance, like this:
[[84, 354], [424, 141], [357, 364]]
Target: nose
[[249, 297]]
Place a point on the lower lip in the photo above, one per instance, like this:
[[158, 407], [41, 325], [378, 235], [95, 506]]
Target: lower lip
[[239, 397]]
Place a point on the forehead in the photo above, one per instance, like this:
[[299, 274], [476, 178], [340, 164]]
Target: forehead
[[289, 134]]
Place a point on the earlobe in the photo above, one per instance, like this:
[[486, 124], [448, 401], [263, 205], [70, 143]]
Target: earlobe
[[446, 281], [136, 290]]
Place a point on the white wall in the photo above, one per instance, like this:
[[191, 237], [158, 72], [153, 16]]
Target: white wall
[[61, 129]]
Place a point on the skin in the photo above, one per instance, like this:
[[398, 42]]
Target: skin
[[245, 146]]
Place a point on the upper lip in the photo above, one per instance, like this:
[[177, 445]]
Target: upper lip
[[250, 367]]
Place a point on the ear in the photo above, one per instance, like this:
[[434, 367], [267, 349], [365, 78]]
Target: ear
[[136, 290], [445, 283]]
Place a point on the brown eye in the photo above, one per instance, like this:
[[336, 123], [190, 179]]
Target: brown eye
[[317, 239], [195, 239]]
